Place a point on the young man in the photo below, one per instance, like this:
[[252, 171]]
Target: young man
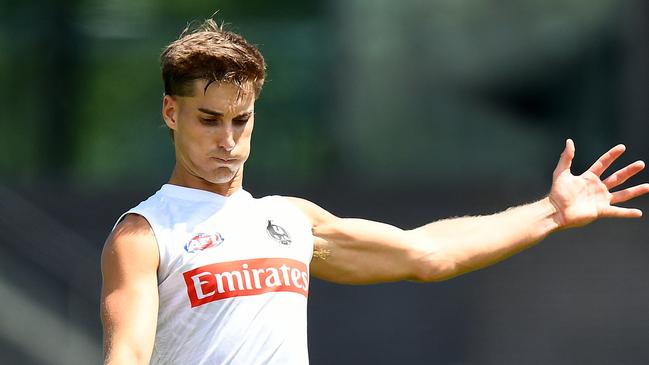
[[203, 273]]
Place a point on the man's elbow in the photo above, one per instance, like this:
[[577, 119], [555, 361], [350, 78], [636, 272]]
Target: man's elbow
[[127, 355], [434, 267]]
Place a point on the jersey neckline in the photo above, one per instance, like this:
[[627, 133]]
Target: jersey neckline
[[186, 193]]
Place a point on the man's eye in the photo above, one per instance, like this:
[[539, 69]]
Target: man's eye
[[208, 121], [240, 122]]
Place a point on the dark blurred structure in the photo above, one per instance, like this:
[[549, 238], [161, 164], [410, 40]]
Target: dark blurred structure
[[402, 112]]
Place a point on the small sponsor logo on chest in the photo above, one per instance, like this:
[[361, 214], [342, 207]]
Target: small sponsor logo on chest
[[203, 241], [223, 280]]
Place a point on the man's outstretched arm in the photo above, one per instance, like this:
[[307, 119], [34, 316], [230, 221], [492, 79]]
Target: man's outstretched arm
[[357, 251]]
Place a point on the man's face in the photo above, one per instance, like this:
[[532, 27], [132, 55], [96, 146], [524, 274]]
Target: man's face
[[212, 130]]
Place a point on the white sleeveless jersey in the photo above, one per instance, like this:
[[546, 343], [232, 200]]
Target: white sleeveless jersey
[[233, 278]]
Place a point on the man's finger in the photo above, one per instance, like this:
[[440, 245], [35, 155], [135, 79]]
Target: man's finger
[[565, 161], [619, 212], [607, 159], [629, 193], [622, 175]]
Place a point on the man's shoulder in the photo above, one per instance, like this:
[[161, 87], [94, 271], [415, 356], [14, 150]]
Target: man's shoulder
[[133, 224], [131, 236], [313, 212], [129, 262]]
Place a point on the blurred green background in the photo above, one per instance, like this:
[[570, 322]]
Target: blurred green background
[[401, 111]]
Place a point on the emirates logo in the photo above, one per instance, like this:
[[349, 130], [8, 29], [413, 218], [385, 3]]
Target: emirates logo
[[231, 279]]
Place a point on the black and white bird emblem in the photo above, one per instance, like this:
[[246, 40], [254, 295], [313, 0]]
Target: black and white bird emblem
[[278, 233]]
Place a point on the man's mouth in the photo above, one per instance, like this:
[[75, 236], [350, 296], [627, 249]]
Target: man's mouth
[[227, 161]]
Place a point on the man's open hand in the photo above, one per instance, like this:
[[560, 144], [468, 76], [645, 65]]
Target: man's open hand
[[581, 199]]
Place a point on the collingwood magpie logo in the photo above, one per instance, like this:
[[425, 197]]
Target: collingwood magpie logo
[[278, 233]]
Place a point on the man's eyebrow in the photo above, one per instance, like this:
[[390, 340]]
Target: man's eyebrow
[[219, 114], [211, 112], [244, 115]]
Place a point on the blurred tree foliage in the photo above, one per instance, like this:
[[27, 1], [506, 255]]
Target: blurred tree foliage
[[85, 87], [474, 91]]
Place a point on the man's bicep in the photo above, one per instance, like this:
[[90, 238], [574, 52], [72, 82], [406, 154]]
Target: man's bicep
[[129, 302], [361, 251], [358, 251]]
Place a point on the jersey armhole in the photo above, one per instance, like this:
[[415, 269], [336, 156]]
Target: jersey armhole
[[153, 231]]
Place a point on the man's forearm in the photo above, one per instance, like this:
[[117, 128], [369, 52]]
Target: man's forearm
[[470, 243]]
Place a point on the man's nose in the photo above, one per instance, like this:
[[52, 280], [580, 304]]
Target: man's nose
[[226, 138]]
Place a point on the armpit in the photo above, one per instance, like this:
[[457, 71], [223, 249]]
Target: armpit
[[321, 253]]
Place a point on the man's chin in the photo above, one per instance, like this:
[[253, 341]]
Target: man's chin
[[221, 177]]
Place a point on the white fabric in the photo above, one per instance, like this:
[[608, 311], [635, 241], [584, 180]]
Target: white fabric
[[263, 271]]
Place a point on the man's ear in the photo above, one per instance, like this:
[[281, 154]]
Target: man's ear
[[170, 111]]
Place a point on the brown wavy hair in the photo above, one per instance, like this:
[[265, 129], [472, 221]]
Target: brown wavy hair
[[209, 52]]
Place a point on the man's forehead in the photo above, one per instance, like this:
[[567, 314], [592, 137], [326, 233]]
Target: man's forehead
[[224, 96], [243, 91]]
